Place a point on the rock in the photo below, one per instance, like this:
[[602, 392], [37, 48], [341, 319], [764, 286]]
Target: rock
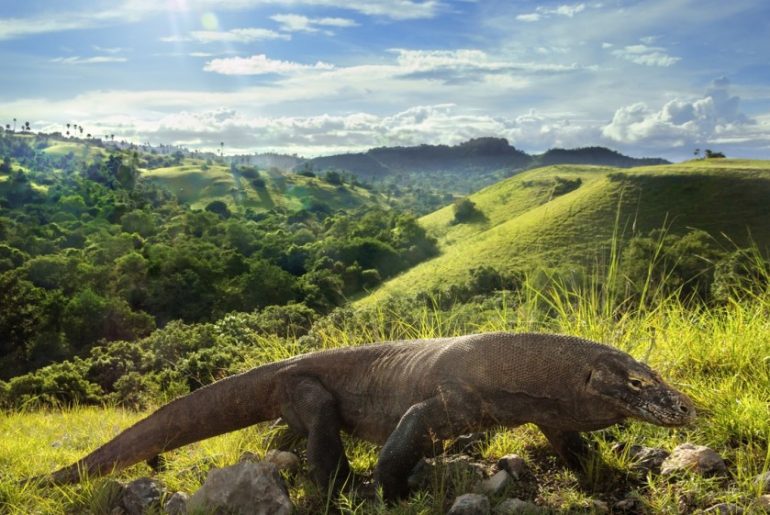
[[470, 504], [466, 444], [643, 459], [248, 456], [284, 460], [177, 504], [141, 496], [693, 458], [517, 506], [495, 484], [245, 488], [763, 481], [514, 465], [724, 508], [763, 503], [628, 505]]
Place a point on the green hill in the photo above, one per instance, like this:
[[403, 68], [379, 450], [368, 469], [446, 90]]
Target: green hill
[[198, 184], [565, 215]]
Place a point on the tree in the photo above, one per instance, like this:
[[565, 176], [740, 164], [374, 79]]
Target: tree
[[466, 211], [696, 153]]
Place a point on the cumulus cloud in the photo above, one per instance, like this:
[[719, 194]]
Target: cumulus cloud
[[324, 134], [681, 122], [300, 23], [259, 65], [646, 55], [544, 12]]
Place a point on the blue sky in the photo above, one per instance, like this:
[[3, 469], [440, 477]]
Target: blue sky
[[647, 77]]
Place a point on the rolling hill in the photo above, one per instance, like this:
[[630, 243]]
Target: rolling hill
[[476, 157], [198, 184], [532, 218]]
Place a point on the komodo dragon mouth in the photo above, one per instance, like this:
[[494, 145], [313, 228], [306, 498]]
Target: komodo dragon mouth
[[641, 393]]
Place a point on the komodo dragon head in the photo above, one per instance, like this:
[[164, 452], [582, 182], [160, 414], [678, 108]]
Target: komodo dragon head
[[638, 391]]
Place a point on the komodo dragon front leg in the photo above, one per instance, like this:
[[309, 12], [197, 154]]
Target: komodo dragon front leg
[[569, 445], [311, 410], [446, 415]]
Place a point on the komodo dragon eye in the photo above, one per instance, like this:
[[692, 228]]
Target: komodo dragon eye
[[636, 384]]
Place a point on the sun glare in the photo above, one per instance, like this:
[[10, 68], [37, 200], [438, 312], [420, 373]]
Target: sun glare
[[209, 21]]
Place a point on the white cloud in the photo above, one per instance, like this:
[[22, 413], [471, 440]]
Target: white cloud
[[529, 17], [246, 35], [108, 50], [646, 55], [543, 12], [100, 59], [135, 10], [466, 65], [259, 65], [300, 23], [681, 122]]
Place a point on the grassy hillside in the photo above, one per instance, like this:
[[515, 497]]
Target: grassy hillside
[[728, 382], [526, 221], [198, 185]]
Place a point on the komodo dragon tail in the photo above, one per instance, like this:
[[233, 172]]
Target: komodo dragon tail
[[226, 405]]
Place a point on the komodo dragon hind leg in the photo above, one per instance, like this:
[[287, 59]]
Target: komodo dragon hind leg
[[312, 412], [436, 418]]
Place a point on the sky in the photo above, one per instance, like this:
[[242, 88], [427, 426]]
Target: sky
[[316, 77]]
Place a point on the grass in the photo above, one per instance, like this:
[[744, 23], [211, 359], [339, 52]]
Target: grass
[[719, 356], [527, 226], [194, 185]]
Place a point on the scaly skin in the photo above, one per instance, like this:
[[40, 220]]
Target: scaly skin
[[404, 395]]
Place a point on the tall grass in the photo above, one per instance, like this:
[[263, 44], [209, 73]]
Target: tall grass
[[719, 355]]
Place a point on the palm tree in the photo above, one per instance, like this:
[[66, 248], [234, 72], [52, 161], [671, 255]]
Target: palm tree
[[221, 148], [27, 128], [14, 125]]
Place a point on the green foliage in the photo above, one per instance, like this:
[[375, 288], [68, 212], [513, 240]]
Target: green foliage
[[466, 211]]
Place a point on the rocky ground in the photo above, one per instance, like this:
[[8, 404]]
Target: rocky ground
[[477, 486]]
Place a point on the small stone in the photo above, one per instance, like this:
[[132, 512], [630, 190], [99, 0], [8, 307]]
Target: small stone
[[177, 504], [470, 504], [647, 459], [495, 484], [517, 506], [514, 465], [627, 505], [253, 488], [763, 481], [248, 456], [693, 458], [763, 503], [466, 444], [284, 460], [141, 495], [724, 508]]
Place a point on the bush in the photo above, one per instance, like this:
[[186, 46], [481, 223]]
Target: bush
[[465, 211]]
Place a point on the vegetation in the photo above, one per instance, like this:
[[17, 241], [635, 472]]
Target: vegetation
[[567, 217], [95, 251], [131, 277], [678, 340]]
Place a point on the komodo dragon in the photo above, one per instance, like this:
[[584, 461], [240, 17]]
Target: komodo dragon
[[407, 394]]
